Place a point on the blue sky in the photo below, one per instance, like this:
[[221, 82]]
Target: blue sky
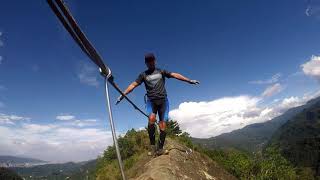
[[246, 52]]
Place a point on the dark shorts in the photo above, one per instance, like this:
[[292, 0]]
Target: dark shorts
[[160, 106]]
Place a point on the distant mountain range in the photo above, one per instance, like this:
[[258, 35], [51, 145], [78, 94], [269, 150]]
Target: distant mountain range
[[13, 161], [31, 168], [255, 136], [70, 170], [299, 139]]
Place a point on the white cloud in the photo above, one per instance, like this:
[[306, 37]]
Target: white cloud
[[84, 123], [37, 128], [54, 143], [312, 67], [212, 118], [87, 75], [275, 78], [272, 90], [1, 59], [11, 119], [68, 139], [71, 120], [65, 117]]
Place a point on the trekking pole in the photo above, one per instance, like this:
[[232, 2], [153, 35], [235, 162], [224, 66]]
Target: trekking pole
[[114, 135]]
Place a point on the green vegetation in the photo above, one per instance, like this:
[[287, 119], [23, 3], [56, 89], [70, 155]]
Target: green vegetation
[[132, 145], [8, 174], [243, 165], [269, 165], [288, 145], [299, 141]]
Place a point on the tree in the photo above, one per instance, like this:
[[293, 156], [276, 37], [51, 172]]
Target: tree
[[173, 128]]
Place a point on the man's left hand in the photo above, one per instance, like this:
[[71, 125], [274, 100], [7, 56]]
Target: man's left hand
[[194, 82]]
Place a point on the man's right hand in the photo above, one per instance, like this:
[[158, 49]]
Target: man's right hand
[[119, 99], [127, 91]]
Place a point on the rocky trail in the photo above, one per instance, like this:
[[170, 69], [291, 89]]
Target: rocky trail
[[180, 163]]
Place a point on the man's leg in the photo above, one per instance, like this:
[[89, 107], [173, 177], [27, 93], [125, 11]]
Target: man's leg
[[152, 128], [163, 116], [151, 110], [162, 138]]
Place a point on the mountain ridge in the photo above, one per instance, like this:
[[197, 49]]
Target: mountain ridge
[[253, 137], [299, 139]]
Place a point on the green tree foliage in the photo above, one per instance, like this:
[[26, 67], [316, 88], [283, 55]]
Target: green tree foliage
[[270, 165], [131, 145], [173, 128], [275, 166], [306, 173], [238, 163]]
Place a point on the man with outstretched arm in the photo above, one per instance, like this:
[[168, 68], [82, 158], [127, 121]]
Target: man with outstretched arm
[[157, 102]]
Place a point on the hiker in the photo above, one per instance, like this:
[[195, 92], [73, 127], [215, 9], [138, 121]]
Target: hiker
[[156, 102]]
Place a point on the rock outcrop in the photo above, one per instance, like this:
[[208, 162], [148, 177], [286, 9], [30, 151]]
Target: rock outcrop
[[180, 163]]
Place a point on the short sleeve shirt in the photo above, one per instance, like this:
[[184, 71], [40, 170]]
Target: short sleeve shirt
[[154, 82]]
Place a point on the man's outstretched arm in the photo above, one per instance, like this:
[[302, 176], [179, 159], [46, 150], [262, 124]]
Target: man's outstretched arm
[[129, 89], [182, 78]]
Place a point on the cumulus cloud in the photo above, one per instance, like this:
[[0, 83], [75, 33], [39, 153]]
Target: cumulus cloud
[[312, 67], [71, 120], [54, 143], [272, 90], [275, 78], [212, 118], [87, 75], [11, 119], [65, 117]]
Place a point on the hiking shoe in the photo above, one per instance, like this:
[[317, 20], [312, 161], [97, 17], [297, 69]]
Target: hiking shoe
[[161, 152], [152, 150]]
